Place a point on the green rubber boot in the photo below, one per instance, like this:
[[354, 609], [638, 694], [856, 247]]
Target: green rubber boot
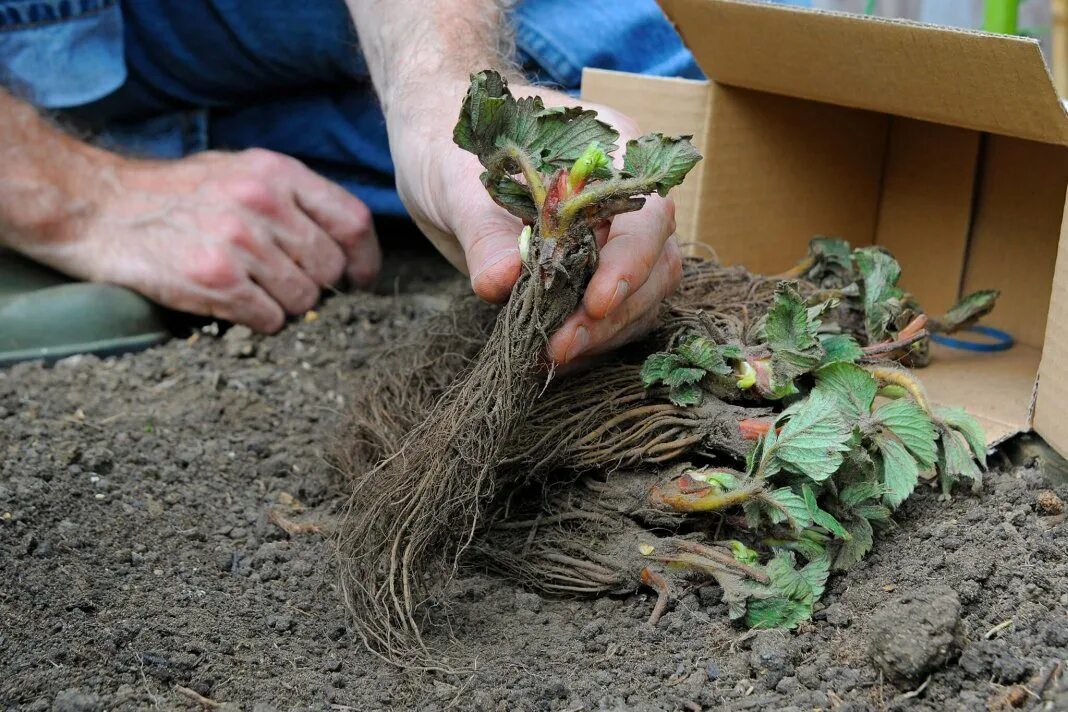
[[45, 315]]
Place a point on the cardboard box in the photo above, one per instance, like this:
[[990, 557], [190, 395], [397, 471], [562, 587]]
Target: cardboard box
[[948, 147]]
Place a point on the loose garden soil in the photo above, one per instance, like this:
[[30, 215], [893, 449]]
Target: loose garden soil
[[142, 565]]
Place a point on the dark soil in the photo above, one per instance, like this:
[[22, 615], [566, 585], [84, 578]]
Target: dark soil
[[138, 565]]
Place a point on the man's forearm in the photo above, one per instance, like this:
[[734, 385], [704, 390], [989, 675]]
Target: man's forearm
[[40, 171], [417, 46]]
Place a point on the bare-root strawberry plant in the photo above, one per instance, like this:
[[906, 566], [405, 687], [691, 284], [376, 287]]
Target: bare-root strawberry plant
[[757, 439]]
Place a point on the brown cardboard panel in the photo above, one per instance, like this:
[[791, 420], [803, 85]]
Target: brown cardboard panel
[[671, 106], [995, 387], [779, 170], [1052, 404], [1015, 232], [989, 83], [925, 214]]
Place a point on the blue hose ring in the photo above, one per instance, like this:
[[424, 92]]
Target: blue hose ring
[[999, 340]]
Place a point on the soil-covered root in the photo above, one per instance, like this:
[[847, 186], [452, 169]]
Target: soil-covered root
[[411, 516], [605, 419], [605, 537]]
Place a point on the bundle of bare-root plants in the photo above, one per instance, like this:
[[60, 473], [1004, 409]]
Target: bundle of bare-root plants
[[756, 439]]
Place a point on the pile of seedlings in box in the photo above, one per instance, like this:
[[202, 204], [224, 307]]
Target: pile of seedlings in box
[[757, 438]]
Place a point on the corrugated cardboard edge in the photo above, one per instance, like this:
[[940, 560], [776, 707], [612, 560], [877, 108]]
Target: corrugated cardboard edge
[[1050, 415], [975, 80]]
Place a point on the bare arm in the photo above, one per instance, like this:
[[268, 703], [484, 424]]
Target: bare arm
[[421, 54], [40, 167], [248, 237]]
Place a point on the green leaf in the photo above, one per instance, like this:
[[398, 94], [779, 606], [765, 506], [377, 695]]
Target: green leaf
[[787, 580], [593, 164], [511, 195], [789, 503], [717, 478], [839, 348], [820, 517], [967, 311], [857, 493], [487, 111], [787, 326], [879, 273], [874, 512], [813, 440], [686, 395], [705, 354], [811, 544], [559, 136], [851, 386], [657, 367], [777, 613], [900, 472], [912, 426], [957, 457], [491, 118], [858, 545], [660, 161], [683, 375], [815, 573], [963, 422], [743, 553]]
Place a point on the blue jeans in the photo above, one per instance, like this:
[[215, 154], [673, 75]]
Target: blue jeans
[[166, 78]]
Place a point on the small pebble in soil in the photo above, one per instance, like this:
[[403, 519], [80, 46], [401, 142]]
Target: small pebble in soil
[[1049, 503]]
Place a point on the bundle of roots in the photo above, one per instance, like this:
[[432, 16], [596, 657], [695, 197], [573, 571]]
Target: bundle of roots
[[441, 420]]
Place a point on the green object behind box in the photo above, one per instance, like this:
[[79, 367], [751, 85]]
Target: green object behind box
[[45, 315]]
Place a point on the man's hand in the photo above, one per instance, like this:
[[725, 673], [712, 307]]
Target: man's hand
[[247, 237], [639, 262], [421, 54]]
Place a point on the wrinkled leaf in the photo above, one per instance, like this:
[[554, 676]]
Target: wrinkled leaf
[[511, 195], [789, 331], [660, 161], [879, 273], [967, 311], [777, 613], [705, 354], [956, 456], [852, 388], [839, 348], [857, 493], [657, 367], [912, 426], [813, 440], [686, 395], [900, 472], [858, 545], [793, 504], [963, 422], [821, 517], [683, 375]]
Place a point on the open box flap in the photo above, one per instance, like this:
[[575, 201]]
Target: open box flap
[[993, 83], [1050, 420]]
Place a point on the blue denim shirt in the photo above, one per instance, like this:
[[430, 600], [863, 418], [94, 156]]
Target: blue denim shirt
[[166, 78], [60, 53]]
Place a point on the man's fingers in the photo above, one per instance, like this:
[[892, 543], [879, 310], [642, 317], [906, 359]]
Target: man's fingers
[[341, 215], [583, 334], [252, 307], [313, 250], [276, 273], [635, 243]]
